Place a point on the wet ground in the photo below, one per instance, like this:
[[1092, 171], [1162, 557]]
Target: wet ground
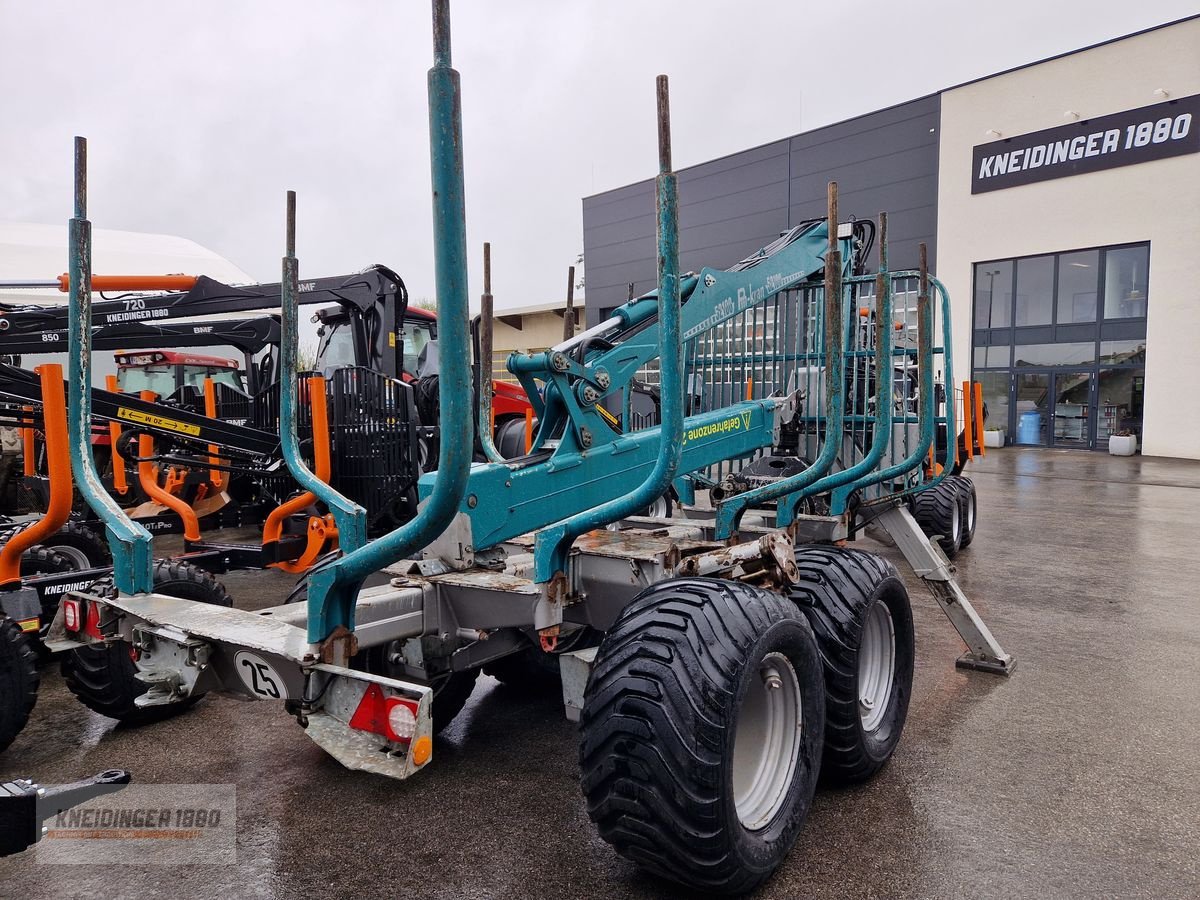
[[1077, 776]]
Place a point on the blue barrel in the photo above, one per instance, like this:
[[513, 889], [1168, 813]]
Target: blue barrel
[[1029, 428]]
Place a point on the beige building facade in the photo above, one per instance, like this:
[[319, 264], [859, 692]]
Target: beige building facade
[[1067, 234], [528, 329]]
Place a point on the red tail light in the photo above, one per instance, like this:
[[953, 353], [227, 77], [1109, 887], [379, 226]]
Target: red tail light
[[92, 620], [392, 717], [72, 614]]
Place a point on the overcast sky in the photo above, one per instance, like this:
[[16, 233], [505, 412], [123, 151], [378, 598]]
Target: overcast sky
[[201, 115]]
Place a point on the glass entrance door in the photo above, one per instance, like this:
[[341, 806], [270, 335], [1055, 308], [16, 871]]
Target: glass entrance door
[[1031, 408], [1072, 409]]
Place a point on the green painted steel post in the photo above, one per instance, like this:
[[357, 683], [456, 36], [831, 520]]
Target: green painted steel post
[[487, 323], [334, 588], [948, 380], [842, 483], [926, 414], [351, 518], [133, 563], [552, 544], [730, 511]]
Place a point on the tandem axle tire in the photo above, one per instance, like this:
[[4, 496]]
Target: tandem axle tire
[[859, 611], [18, 680], [702, 727], [968, 509], [938, 511], [104, 676]]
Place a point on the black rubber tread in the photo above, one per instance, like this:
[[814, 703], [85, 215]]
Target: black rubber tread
[[510, 437], [967, 498], [426, 397], [531, 671], [658, 728], [84, 540], [450, 695], [837, 587], [450, 692], [535, 671], [936, 511], [18, 681], [40, 560], [103, 676]]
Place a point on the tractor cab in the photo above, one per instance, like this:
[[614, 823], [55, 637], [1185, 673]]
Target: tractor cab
[[166, 371], [350, 338]]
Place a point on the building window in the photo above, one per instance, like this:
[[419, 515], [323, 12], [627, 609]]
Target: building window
[[1035, 291], [1075, 295], [993, 294], [1126, 282], [1060, 344]]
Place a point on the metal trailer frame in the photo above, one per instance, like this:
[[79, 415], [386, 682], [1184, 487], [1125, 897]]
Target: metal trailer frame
[[503, 552]]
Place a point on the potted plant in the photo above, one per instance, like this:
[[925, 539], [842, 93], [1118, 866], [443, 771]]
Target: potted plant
[[1122, 443], [993, 436]]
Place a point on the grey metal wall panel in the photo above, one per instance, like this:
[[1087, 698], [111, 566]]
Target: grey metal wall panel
[[731, 206], [885, 161]]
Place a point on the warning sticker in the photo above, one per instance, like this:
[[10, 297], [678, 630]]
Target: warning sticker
[[153, 421], [733, 423]]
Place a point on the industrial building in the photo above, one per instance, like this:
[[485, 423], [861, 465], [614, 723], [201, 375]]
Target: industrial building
[[1058, 201]]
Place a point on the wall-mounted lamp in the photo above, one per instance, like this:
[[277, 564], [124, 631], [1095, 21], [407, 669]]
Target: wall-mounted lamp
[[992, 133], [1162, 92], [1071, 115]]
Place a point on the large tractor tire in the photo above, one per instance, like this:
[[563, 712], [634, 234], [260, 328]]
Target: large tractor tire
[[510, 438], [702, 727], [82, 546], [41, 560], [938, 511], [18, 681], [859, 611], [104, 677], [968, 509]]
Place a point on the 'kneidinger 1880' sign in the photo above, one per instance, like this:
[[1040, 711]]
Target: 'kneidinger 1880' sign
[[1122, 139]]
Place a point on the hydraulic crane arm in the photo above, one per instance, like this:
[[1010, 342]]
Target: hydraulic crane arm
[[376, 292], [24, 388], [247, 335], [603, 361]]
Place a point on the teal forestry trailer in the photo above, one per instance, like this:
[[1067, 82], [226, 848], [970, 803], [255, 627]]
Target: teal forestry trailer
[[718, 661]]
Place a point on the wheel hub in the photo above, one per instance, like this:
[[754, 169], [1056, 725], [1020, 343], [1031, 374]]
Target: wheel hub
[[767, 742], [876, 665]]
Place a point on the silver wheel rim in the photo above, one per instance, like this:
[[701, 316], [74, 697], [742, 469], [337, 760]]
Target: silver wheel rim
[[76, 557], [659, 509], [876, 665], [766, 745], [955, 522], [970, 512]]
